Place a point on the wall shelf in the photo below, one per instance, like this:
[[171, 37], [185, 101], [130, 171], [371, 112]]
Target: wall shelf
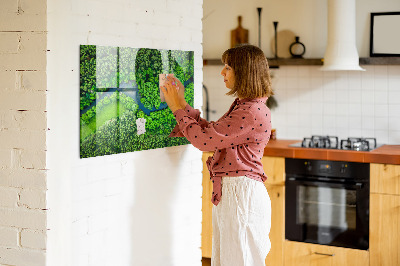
[[274, 63], [380, 61]]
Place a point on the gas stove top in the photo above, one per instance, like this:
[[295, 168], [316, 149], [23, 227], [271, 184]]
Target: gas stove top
[[332, 142]]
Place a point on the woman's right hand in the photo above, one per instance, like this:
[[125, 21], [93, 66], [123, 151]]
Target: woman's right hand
[[181, 91]]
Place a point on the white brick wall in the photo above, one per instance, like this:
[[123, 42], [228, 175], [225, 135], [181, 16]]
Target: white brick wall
[[99, 208], [140, 208], [23, 128]]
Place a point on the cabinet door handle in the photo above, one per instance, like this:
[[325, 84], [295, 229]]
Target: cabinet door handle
[[324, 254]]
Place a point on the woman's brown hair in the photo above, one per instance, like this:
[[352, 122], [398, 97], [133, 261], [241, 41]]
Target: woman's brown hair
[[250, 66]]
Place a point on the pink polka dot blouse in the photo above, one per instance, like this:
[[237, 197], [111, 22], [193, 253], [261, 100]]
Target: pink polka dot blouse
[[238, 139]]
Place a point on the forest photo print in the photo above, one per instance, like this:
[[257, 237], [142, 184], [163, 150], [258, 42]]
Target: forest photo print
[[120, 106]]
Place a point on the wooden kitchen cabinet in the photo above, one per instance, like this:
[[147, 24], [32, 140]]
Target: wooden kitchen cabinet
[[277, 233], [385, 178], [384, 236], [206, 225], [305, 254], [274, 168], [385, 215]]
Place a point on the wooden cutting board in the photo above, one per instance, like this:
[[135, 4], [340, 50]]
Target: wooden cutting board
[[239, 35]]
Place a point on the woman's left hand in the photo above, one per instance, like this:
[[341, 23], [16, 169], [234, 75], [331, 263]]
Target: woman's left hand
[[170, 90]]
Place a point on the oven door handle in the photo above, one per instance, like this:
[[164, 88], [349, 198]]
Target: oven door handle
[[357, 185]]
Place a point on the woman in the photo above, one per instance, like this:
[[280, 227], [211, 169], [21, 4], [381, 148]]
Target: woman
[[242, 211]]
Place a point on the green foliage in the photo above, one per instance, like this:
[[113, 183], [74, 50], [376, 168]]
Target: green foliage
[[160, 122], [107, 67], [110, 126], [127, 65], [148, 67], [119, 136], [87, 74], [189, 94]]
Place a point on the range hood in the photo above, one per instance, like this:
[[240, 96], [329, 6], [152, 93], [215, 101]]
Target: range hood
[[341, 51]]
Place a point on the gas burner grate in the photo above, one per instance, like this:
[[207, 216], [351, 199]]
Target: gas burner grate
[[327, 142], [358, 144]]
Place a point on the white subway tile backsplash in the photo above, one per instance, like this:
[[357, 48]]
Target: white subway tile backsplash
[[368, 123], [381, 84], [304, 72], [394, 123], [381, 122], [355, 132], [304, 82], [293, 120], [393, 71], [367, 96], [329, 123], [329, 93], [342, 96], [316, 72], [380, 71], [367, 110], [354, 80], [291, 71], [381, 110], [381, 136], [328, 74], [278, 82], [304, 109], [381, 97], [369, 70], [342, 122], [316, 82], [292, 83], [329, 109], [394, 83], [342, 81], [355, 96], [354, 122], [367, 133], [342, 109], [394, 97], [305, 95], [394, 137], [317, 121], [317, 108], [394, 110], [347, 103]]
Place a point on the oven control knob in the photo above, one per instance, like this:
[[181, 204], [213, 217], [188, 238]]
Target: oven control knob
[[308, 166], [343, 168]]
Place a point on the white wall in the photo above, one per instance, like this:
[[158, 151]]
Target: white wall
[[23, 133], [140, 208], [306, 19], [311, 102]]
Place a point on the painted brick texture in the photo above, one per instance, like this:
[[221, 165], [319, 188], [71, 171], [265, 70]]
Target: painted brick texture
[[23, 125], [139, 208]]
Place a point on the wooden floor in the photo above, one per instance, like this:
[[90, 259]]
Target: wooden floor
[[206, 261]]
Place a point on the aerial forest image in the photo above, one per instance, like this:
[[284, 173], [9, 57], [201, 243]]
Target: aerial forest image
[[120, 106]]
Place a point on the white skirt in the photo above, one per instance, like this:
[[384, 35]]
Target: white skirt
[[241, 223]]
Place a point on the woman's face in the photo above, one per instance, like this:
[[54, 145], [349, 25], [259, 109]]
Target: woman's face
[[229, 76]]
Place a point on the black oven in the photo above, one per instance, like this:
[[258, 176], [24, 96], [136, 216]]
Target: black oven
[[327, 202]]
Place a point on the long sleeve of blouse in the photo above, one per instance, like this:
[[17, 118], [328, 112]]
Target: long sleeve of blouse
[[193, 113], [238, 139], [208, 136]]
